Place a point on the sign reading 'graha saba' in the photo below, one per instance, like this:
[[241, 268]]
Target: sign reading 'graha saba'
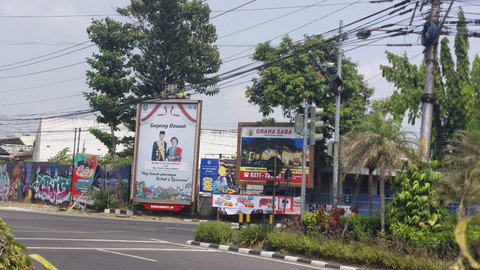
[[166, 151], [259, 145]]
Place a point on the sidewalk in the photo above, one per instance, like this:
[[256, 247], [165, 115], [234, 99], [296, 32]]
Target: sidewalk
[[114, 213]]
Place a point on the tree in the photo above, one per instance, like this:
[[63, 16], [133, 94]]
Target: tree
[[111, 81], [462, 169], [416, 202], [64, 157], [174, 45], [376, 143], [290, 76], [456, 89]]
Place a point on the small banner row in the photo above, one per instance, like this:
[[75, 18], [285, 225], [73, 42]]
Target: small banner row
[[248, 204]]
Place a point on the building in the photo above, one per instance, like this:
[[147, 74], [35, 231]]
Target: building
[[218, 144], [56, 134]]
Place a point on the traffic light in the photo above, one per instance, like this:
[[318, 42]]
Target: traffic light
[[299, 123], [315, 124]]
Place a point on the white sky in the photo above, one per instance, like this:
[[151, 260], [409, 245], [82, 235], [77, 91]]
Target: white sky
[[29, 89]]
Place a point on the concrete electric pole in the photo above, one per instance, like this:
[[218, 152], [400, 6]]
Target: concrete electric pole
[[428, 98]]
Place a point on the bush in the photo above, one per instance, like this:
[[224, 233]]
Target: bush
[[253, 235], [213, 232], [310, 221], [361, 226], [103, 198], [12, 253], [354, 252]]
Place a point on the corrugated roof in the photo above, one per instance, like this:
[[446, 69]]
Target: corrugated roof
[[11, 141]]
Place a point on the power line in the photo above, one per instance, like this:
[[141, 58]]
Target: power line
[[233, 9], [42, 71], [45, 55]]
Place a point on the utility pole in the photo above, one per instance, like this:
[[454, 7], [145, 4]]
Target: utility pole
[[336, 138], [428, 98], [303, 190]]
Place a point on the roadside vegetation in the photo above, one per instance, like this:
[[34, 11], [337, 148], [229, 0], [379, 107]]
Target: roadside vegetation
[[14, 256], [418, 232]]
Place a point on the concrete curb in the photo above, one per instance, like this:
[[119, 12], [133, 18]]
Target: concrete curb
[[118, 212], [269, 254]]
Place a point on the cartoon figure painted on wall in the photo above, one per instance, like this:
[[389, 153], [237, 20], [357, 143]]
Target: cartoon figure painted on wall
[[83, 173]]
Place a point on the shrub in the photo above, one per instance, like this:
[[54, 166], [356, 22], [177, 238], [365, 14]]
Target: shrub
[[354, 253], [103, 198], [213, 232], [252, 235], [12, 253], [310, 221]]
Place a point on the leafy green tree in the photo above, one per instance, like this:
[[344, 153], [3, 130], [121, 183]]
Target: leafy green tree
[[462, 169], [291, 75], [376, 143], [64, 157], [174, 45], [456, 89], [110, 80], [415, 202]]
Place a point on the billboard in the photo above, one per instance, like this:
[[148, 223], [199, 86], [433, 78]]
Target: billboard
[[258, 144], [166, 151], [85, 166]]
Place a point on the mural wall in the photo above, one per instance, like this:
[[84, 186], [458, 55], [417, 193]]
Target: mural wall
[[50, 183]]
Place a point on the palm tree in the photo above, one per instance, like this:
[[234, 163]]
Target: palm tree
[[462, 162], [376, 143]]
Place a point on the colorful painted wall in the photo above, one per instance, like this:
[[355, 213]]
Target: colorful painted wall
[[49, 183]]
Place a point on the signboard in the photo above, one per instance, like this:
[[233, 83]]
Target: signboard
[[164, 207], [215, 177], [258, 144], [249, 203], [85, 166], [208, 173], [166, 152]]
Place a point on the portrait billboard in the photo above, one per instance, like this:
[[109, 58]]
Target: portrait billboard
[[258, 145], [85, 166], [166, 151]]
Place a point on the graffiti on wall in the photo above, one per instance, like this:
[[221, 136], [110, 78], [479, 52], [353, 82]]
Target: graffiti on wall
[[106, 177], [29, 182], [50, 183], [4, 183]]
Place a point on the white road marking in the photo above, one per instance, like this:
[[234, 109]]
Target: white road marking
[[127, 255], [124, 249], [93, 240]]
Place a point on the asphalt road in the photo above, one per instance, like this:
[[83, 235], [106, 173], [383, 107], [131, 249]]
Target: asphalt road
[[85, 242]]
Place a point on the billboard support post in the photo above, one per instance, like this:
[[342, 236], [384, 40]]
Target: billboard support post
[[304, 159], [274, 187]]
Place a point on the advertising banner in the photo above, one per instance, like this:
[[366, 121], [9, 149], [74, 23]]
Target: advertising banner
[[208, 173], [85, 166], [251, 203], [166, 151], [259, 145], [215, 177]]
